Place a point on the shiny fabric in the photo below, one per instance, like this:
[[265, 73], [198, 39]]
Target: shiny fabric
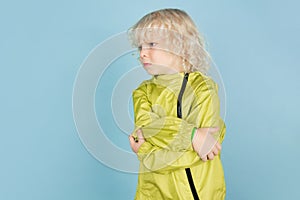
[[168, 149]]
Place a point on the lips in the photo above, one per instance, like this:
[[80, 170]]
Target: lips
[[147, 64]]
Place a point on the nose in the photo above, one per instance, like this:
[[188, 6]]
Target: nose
[[144, 52]]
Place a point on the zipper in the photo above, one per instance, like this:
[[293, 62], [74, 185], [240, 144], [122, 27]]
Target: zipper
[[179, 115]]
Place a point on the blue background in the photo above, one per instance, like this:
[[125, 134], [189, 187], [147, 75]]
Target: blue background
[[43, 43]]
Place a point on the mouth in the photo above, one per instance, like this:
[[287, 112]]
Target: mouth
[[147, 64]]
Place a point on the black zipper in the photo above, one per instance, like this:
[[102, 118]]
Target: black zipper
[[179, 100], [179, 115]]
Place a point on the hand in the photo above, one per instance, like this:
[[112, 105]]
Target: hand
[[136, 142], [206, 146], [215, 151]]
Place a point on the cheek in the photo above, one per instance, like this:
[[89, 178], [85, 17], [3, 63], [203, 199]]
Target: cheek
[[161, 56], [170, 59]]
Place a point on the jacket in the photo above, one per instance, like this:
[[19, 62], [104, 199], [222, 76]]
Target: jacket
[[168, 152]]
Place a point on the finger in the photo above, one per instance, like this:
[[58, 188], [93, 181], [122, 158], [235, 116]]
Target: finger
[[213, 129], [219, 146], [132, 143], [140, 135], [131, 140], [204, 158], [138, 130], [210, 130], [215, 151], [210, 156], [208, 144], [206, 130]]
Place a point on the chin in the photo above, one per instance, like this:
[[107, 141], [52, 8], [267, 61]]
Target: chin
[[153, 73]]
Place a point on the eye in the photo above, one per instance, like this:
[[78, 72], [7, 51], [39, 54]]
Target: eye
[[148, 45], [152, 44]]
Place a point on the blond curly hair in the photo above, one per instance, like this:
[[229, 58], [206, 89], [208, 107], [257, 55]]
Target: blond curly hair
[[176, 28]]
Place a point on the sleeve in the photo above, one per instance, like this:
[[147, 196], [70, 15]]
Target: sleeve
[[166, 132], [206, 109], [164, 161], [158, 152]]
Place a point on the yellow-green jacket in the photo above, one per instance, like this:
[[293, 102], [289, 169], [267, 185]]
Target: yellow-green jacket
[[168, 149]]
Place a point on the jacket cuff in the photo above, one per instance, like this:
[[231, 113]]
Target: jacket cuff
[[193, 133], [143, 150], [183, 142]]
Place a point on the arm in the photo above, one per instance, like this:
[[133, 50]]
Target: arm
[[158, 159], [175, 133], [162, 131], [204, 110], [164, 161]]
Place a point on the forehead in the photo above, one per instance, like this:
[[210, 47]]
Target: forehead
[[153, 34]]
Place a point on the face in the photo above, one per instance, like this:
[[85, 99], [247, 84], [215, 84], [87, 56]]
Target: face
[[156, 59]]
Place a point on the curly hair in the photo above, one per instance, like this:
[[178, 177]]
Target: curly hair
[[178, 31]]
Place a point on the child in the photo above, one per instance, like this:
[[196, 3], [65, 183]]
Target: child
[[178, 152]]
